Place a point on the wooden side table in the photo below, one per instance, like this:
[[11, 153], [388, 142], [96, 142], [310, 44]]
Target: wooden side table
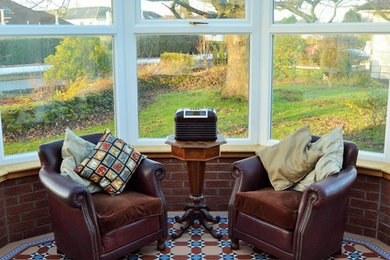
[[195, 154]]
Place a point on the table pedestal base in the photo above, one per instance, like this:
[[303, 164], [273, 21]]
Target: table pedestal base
[[200, 212]]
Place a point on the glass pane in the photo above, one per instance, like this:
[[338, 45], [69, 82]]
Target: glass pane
[[331, 80], [331, 11], [70, 12], [48, 84], [194, 9], [192, 71]]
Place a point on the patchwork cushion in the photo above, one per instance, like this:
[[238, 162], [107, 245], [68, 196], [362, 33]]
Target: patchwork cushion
[[74, 150], [290, 160], [279, 208], [111, 164], [130, 206], [330, 163]]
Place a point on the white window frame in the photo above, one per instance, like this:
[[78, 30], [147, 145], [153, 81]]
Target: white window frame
[[127, 25], [250, 25], [325, 28]]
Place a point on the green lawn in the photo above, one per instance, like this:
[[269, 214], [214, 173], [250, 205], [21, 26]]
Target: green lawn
[[157, 119], [322, 107], [32, 145]]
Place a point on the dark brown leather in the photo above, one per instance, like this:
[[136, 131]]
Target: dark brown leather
[[74, 214], [321, 214], [279, 208], [123, 209]]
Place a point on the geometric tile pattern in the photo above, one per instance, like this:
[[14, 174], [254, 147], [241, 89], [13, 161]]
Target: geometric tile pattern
[[197, 244], [111, 164]]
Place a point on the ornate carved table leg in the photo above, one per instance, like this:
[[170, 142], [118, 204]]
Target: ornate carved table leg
[[196, 210]]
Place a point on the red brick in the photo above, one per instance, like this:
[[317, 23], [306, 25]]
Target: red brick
[[3, 241], [177, 176], [371, 214], [13, 218], [173, 168], [354, 229], [367, 223], [363, 204], [13, 200], [211, 176], [369, 233], [355, 212], [385, 210], [38, 195], [217, 184], [218, 167], [19, 208], [384, 228], [373, 196], [41, 204], [359, 194], [15, 236], [173, 184], [209, 191], [366, 186], [181, 191], [225, 192], [37, 231], [38, 186], [21, 226], [34, 214], [19, 189], [43, 221]]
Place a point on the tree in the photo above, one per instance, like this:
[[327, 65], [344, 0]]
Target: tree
[[287, 51], [76, 57], [237, 46]]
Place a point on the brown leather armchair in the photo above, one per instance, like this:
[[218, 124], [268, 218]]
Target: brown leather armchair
[[290, 224], [98, 226]]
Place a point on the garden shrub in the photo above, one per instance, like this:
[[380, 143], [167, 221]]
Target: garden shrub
[[56, 113]]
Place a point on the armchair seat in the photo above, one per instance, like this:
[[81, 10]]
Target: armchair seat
[[279, 208], [126, 208]]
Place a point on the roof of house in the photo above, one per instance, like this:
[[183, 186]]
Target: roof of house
[[375, 5], [18, 14], [98, 12]]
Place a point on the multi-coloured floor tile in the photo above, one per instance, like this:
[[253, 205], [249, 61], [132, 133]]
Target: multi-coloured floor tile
[[197, 244]]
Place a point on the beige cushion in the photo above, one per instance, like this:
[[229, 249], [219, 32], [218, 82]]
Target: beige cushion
[[291, 159], [332, 147], [74, 150]]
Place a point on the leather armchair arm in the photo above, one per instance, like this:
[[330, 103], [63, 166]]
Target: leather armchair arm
[[330, 188], [63, 189], [147, 179], [249, 174]]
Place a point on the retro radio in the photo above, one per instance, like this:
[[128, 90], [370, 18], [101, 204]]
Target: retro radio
[[195, 124]]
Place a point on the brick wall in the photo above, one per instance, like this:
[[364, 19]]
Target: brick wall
[[369, 208], [218, 184], [24, 209]]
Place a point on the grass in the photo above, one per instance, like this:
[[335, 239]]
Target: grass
[[157, 119], [322, 107], [32, 145]]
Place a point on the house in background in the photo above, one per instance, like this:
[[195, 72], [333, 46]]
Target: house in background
[[14, 13], [99, 15], [378, 48]]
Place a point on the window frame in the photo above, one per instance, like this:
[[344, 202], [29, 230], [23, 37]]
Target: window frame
[[261, 29], [329, 28]]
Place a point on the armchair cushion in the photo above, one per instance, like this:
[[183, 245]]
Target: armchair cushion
[[276, 207], [74, 150], [291, 159], [111, 164], [128, 207], [330, 163]]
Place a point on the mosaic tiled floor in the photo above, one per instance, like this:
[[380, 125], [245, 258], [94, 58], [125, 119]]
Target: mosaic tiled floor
[[196, 244]]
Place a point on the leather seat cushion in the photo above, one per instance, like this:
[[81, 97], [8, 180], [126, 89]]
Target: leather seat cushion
[[279, 208], [123, 209]]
